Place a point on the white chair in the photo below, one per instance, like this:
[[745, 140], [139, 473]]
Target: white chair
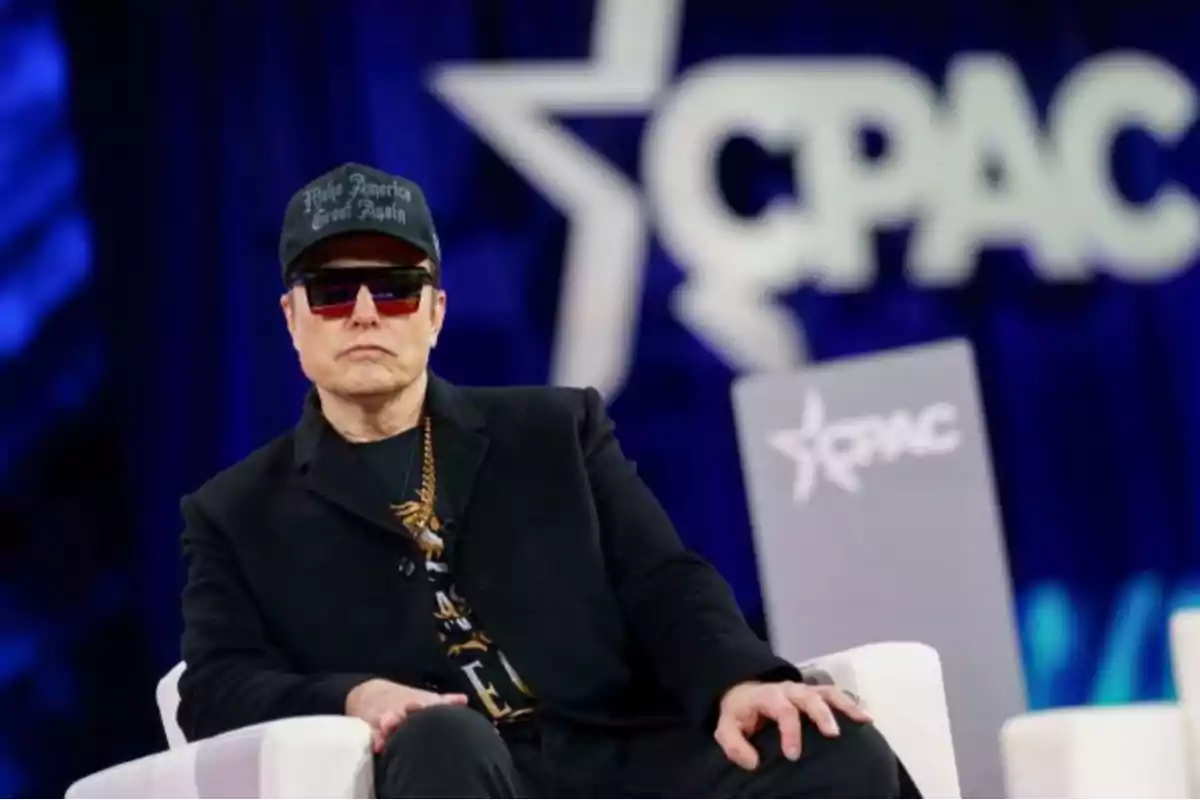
[[1098, 751], [899, 683], [1185, 666], [298, 757], [167, 696], [1134, 750]]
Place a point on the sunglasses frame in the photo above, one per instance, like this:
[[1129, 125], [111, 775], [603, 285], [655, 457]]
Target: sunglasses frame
[[388, 301]]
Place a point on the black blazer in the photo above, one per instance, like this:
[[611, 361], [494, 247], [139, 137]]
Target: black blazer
[[301, 584]]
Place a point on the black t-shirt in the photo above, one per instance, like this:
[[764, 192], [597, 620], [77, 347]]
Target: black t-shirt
[[480, 668]]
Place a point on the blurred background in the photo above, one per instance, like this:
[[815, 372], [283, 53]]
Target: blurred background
[[147, 150]]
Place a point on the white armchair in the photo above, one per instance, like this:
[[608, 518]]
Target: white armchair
[[899, 683], [1134, 750]]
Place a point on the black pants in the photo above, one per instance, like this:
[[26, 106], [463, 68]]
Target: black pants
[[452, 751]]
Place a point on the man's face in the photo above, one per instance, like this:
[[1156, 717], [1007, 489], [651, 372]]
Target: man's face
[[364, 353]]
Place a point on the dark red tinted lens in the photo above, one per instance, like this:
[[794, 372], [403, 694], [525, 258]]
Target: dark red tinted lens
[[331, 300], [395, 290]]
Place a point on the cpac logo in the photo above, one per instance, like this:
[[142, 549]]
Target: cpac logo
[[839, 450], [968, 167]]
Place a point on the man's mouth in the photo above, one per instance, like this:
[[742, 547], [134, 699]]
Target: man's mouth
[[366, 349]]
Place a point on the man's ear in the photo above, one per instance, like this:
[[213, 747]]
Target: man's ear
[[285, 304], [288, 306], [437, 309]]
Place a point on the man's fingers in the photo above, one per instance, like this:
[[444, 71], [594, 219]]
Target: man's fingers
[[838, 699], [736, 746], [382, 729], [784, 712], [813, 704], [376, 741], [427, 699]]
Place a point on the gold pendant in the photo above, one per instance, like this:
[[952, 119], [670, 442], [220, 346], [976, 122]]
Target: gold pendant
[[417, 515]]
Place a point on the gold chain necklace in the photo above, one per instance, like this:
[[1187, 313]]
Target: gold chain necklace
[[417, 515]]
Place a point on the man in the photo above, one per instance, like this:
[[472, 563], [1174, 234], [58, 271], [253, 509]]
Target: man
[[479, 574]]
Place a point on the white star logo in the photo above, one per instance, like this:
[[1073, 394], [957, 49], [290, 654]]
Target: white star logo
[[812, 451], [634, 44]]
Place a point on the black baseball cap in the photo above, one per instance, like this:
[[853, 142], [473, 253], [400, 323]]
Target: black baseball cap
[[356, 199]]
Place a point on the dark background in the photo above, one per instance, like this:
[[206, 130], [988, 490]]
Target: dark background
[[147, 150]]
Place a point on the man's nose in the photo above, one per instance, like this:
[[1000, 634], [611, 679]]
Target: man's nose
[[364, 307]]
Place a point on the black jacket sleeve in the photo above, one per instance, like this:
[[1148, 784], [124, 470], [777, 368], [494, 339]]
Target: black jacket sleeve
[[682, 611], [235, 676]]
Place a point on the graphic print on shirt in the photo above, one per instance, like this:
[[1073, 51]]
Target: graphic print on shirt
[[498, 688]]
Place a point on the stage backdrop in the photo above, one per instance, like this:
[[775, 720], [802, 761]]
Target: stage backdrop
[[655, 196]]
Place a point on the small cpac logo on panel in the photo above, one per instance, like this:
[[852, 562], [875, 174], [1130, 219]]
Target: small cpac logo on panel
[[839, 450]]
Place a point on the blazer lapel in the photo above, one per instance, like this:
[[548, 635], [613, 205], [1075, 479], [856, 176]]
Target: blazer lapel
[[333, 470], [459, 445]]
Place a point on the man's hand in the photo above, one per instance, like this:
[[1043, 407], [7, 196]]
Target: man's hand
[[746, 706], [384, 705]]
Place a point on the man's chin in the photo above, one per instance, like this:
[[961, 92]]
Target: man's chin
[[370, 391], [368, 386]]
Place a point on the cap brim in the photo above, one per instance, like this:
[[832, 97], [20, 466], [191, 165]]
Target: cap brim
[[363, 244]]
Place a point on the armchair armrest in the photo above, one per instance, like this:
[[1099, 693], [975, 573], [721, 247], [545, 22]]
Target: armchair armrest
[[297, 757], [900, 685], [1135, 750], [1185, 668]]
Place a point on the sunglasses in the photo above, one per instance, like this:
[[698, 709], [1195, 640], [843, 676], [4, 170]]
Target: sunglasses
[[396, 291]]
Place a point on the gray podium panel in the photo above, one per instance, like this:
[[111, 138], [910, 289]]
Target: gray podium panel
[[875, 519]]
